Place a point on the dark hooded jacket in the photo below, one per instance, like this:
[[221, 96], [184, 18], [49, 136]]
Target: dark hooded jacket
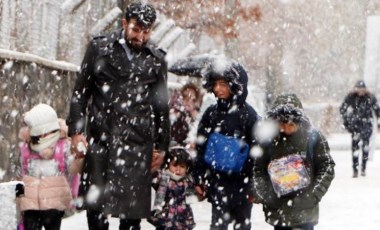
[[299, 207], [233, 117], [358, 110], [123, 104]]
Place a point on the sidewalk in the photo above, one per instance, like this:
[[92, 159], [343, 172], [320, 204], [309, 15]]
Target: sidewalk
[[349, 204]]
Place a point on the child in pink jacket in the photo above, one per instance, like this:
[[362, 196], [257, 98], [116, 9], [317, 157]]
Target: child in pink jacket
[[44, 161]]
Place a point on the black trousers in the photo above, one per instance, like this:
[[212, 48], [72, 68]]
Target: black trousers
[[357, 137], [98, 221], [36, 219], [308, 226], [222, 215]]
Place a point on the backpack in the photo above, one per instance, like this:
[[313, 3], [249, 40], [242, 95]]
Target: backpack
[[59, 155]]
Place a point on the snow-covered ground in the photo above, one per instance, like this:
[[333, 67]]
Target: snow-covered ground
[[350, 204]]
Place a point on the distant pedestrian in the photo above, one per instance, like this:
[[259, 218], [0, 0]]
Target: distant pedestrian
[[171, 210], [294, 169], [359, 111], [223, 169]]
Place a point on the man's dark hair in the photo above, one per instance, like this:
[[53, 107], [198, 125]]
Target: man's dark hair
[[145, 14]]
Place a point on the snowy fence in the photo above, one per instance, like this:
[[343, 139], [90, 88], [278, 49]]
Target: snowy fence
[[27, 80]]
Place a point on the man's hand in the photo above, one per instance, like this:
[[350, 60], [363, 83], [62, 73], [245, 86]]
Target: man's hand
[[252, 199], [157, 160], [200, 192], [75, 140]]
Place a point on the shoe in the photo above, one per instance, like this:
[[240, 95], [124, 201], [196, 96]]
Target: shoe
[[355, 174], [363, 173]]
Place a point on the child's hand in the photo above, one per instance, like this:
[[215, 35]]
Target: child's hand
[[252, 199], [200, 192]]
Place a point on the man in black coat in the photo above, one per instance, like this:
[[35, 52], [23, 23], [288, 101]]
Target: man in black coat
[[119, 111], [358, 110]]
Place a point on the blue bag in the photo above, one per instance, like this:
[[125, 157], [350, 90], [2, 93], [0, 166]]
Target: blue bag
[[226, 153]]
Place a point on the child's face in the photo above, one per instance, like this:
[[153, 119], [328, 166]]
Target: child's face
[[177, 169], [288, 128], [221, 89]]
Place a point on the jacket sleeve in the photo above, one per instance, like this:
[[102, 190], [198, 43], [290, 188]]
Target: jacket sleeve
[[204, 130], [346, 116], [375, 106], [163, 182], [82, 92], [323, 168], [263, 189], [343, 107], [247, 171], [161, 109]]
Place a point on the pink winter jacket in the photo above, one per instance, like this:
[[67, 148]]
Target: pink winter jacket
[[47, 191]]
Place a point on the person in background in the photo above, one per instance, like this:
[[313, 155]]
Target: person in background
[[121, 98], [179, 120], [293, 167], [184, 107], [359, 110], [170, 210], [44, 168], [227, 189], [192, 99]]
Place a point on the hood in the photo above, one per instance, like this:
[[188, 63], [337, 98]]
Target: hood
[[285, 108], [232, 72]]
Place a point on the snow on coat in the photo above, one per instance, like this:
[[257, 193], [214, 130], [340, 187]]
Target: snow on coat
[[302, 206], [171, 209], [128, 116], [231, 118]]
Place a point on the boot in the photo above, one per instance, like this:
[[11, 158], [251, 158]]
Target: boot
[[355, 175], [363, 171], [364, 165]]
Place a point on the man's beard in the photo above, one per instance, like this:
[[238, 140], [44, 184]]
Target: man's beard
[[135, 47]]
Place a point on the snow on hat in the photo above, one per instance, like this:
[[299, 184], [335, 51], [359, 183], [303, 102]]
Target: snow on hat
[[287, 99], [41, 119], [286, 107]]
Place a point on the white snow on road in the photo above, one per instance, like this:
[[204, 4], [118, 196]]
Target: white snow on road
[[350, 204]]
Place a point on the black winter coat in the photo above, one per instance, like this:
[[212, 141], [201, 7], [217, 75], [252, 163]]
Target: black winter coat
[[123, 104], [358, 111], [234, 117]]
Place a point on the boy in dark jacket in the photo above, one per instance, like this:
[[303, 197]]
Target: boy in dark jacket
[[358, 110], [227, 190], [294, 170]]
